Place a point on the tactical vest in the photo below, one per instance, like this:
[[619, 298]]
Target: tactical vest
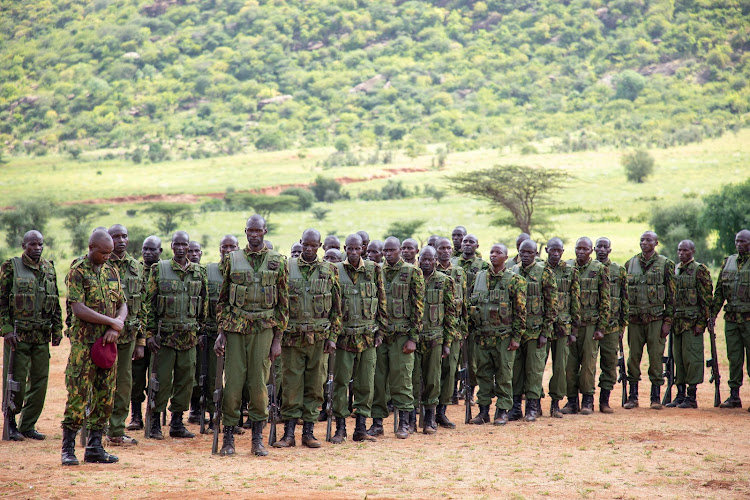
[[735, 284], [590, 292], [615, 299], [32, 300], [253, 293], [459, 279], [360, 301], [534, 295], [434, 308], [131, 277], [310, 301], [470, 271], [399, 303], [686, 300], [178, 302], [564, 279], [647, 292], [491, 309], [215, 280]]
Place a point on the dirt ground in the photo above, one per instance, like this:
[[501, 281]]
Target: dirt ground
[[640, 453]]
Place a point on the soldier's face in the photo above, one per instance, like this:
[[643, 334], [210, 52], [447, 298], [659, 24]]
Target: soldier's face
[[309, 248], [391, 253], [99, 252], [555, 253], [374, 253], [120, 239], [742, 242], [150, 252], [432, 241], [408, 251], [648, 242], [527, 253], [583, 251], [685, 253], [194, 253], [297, 250], [427, 262], [33, 247], [353, 252], [498, 256], [602, 250], [332, 255], [255, 232], [444, 251], [180, 247], [469, 245], [228, 245], [331, 243], [458, 238]]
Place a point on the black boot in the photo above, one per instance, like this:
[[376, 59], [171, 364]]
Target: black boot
[[604, 401], [403, 425], [257, 447], [288, 440], [532, 410], [227, 446], [360, 429], [177, 428], [340, 435], [430, 426], [501, 417], [554, 409], [587, 404], [136, 419], [95, 453], [323, 416], [733, 401], [308, 438], [655, 397], [442, 419], [571, 407], [482, 417], [412, 421], [691, 400], [194, 417], [679, 398], [376, 429], [155, 432], [13, 434], [515, 412], [632, 401], [69, 447]]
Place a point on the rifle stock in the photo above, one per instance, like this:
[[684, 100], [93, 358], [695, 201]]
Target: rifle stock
[[203, 384], [12, 386], [329, 394], [622, 376], [467, 396], [218, 396], [273, 408], [153, 387], [668, 361], [713, 363]]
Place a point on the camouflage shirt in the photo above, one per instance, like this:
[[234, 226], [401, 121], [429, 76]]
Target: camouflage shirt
[[360, 342], [620, 321], [432, 283], [587, 272], [99, 290], [472, 266], [719, 298], [517, 296], [563, 324], [703, 297], [549, 301], [416, 294], [669, 285], [459, 253], [462, 309], [134, 328], [42, 269]]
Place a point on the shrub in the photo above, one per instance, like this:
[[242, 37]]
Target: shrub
[[638, 165]]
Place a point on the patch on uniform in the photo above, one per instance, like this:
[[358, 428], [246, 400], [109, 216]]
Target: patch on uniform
[[273, 265], [438, 285], [592, 274], [404, 276]]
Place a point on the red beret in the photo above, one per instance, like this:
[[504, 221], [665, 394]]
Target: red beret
[[103, 355]]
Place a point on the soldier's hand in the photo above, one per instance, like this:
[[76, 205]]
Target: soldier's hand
[[571, 340], [11, 340], [221, 342], [153, 345], [139, 352], [541, 342], [110, 336], [330, 347], [665, 328], [698, 330], [598, 335], [446, 351], [117, 324], [514, 345], [409, 347], [275, 351], [202, 341], [378, 340]]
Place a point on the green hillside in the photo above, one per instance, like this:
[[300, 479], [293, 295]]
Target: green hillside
[[187, 77]]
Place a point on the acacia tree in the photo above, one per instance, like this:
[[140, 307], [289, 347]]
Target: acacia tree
[[519, 189], [168, 215], [78, 219]]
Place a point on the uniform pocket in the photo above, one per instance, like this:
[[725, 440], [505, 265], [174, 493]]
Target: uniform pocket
[[397, 308]]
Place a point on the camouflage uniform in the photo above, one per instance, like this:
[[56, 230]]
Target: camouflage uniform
[[692, 309], [141, 366], [450, 363], [471, 267], [100, 290], [568, 315], [619, 311], [214, 279], [34, 304]]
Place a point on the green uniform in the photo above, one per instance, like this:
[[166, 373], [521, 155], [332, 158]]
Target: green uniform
[[471, 267], [314, 318], [99, 290], [450, 363], [29, 300], [404, 290], [619, 311], [733, 287], [365, 319], [438, 330], [134, 333], [692, 309], [253, 309], [568, 315], [140, 366], [541, 311], [177, 301], [593, 277], [498, 315], [651, 291]]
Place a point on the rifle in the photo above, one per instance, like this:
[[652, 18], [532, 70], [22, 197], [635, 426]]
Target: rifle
[[203, 384], [351, 396], [467, 396], [329, 395], [153, 386], [668, 371], [421, 393], [218, 396], [12, 386], [273, 408], [713, 363], [622, 377], [84, 430]]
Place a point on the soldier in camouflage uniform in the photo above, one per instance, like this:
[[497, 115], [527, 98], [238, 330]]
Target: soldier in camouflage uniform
[[691, 313], [375, 252], [409, 249], [195, 252], [177, 300], [296, 251], [30, 318], [457, 236], [365, 242], [566, 323], [132, 339], [541, 311], [521, 238], [733, 286], [311, 334], [594, 320], [450, 363], [619, 311], [365, 320], [99, 311], [330, 242], [651, 291], [498, 318], [252, 314], [332, 255], [404, 289]]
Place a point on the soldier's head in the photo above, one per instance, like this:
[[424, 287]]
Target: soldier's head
[[458, 237], [603, 248], [444, 250], [296, 250], [583, 250], [469, 246], [392, 250], [353, 248], [527, 252], [365, 239], [521, 238], [498, 256], [179, 245], [33, 245], [151, 250], [228, 245], [427, 260], [195, 252], [432, 240], [649, 241], [100, 247], [119, 235], [255, 230], [332, 255], [742, 241], [409, 248], [554, 251], [309, 244], [331, 241], [685, 251], [375, 251], [268, 244]]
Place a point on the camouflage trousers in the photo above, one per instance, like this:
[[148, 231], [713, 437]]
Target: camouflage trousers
[[84, 379]]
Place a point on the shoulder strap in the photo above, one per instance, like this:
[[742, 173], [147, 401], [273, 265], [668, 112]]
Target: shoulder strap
[[731, 264], [294, 272], [634, 266], [343, 275], [480, 282], [20, 270]]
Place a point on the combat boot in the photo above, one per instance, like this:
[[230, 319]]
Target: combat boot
[[554, 409], [733, 401], [501, 417], [34, 434], [177, 428], [257, 447], [13, 433], [691, 399], [155, 432], [442, 419], [430, 426], [323, 415], [288, 440], [194, 417], [412, 421], [95, 453], [308, 438], [632, 401], [587, 404], [340, 435], [482, 417], [136, 419], [376, 429], [532, 410], [360, 429], [227, 445], [677, 401], [403, 425], [655, 397], [515, 412], [604, 401], [571, 407], [69, 447]]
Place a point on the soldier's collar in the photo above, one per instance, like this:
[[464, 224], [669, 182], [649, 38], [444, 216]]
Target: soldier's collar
[[560, 263], [361, 264], [604, 262], [30, 263], [176, 265], [500, 272], [681, 265], [447, 268], [582, 265], [394, 266], [256, 252], [303, 262]]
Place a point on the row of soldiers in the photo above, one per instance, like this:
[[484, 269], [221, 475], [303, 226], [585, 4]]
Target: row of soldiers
[[395, 323]]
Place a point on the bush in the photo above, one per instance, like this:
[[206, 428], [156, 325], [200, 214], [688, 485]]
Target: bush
[[319, 213], [727, 212], [404, 229], [305, 196], [29, 214], [326, 189], [681, 222], [638, 165], [136, 236]]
